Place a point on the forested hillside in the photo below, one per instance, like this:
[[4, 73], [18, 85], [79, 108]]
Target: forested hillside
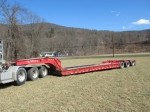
[[45, 37], [27, 35]]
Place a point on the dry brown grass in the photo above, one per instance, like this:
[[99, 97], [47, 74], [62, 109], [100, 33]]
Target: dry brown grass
[[122, 90]]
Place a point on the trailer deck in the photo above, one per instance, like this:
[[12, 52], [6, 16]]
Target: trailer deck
[[88, 68]]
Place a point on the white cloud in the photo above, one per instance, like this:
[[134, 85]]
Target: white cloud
[[117, 14], [130, 26], [123, 27], [127, 27], [141, 22], [113, 11]]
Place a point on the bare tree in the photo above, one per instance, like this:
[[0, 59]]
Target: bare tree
[[34, 33], [148, 36], [10, 14]]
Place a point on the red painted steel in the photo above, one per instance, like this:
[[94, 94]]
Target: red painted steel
[[106, 65], [89, 68], [113, 61], [47, 60]]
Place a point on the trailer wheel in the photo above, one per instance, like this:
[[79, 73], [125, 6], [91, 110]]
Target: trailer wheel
[[133, 63], [33, 73], [21, 76], [43, 72], [121, 65], [127, 64]]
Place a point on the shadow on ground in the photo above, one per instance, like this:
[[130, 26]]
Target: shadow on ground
[[3, 86]]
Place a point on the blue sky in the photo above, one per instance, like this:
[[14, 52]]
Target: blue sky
[[113, 15]]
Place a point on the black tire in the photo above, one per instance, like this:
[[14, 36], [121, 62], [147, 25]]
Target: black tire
[[127, 64], [43, 72], [133, 63], [21, 76], [121, 65], [33, 73]]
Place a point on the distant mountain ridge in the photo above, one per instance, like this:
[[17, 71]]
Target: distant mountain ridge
[[32, 39]]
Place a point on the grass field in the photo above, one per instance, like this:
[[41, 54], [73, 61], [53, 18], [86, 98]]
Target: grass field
[[117, 90]]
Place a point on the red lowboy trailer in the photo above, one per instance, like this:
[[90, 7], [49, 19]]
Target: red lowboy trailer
[[32, 69]]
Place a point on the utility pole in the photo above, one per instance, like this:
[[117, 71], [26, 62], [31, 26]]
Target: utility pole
[[1, 52], [113, 46]]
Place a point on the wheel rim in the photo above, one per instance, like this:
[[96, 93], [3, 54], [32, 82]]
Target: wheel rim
[[44, 71], [128, 64], [21, 76], [35, 74], [122, 65], [133, 63]]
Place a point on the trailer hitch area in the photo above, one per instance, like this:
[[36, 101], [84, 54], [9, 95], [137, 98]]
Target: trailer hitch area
[[4, 66]]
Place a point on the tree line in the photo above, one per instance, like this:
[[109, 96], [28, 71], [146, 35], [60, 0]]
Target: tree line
[[25, 35]]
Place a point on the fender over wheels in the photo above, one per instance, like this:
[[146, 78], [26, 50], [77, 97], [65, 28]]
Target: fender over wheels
[[33, 73], [43, 72], [21, 76]]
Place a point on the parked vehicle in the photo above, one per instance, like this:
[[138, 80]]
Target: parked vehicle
[[51, 54]]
